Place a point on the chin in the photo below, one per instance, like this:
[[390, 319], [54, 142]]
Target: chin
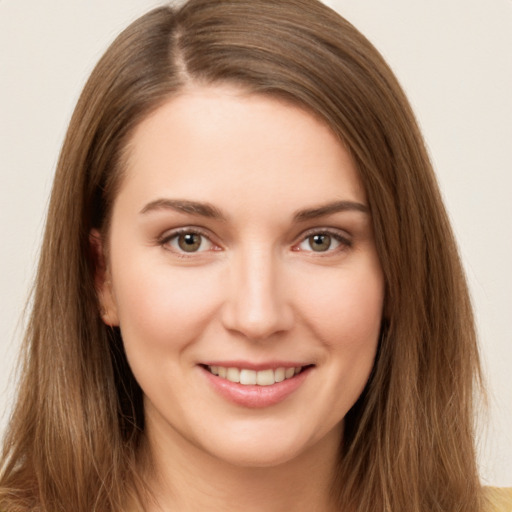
[[257, 457], [266, 448]]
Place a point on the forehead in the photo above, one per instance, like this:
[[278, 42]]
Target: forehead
[[226, 145]]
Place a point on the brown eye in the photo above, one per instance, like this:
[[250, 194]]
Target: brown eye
[[324, 241], [320, 242], [189, 242]]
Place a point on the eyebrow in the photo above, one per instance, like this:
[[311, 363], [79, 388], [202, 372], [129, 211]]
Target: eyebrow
[[184, 206], [328, 209], [212, 212]]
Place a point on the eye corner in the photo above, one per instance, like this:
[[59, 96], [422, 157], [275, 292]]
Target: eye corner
[[334, 242], [199, 242]]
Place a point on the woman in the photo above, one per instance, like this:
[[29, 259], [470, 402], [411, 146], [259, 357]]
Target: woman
[[249, 294]]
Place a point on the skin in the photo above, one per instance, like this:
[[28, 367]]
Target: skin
[[257, 289]]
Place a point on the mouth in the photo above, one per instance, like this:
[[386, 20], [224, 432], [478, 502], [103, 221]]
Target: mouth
[[258, 386], [250, 377]]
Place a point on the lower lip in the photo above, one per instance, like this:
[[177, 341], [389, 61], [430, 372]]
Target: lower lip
[[256, 396]]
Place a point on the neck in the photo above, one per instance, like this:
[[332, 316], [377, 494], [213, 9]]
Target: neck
[[182, 477]]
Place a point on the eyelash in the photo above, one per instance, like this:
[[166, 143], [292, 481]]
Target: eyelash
[[343, 241], [165, 240]]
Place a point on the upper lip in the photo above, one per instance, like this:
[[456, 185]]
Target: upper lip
[[267, 365]]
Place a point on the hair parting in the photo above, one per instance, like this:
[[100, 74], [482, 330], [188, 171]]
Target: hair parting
[[76, 434]]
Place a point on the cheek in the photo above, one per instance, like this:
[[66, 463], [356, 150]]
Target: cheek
[[352, 336], [345, 308], [345, 316], [161, 306]]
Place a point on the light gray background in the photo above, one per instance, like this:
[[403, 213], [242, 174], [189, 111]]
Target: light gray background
[[454, 59]]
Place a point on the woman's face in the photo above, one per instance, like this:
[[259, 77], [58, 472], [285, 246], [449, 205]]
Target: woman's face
[[241, 249]]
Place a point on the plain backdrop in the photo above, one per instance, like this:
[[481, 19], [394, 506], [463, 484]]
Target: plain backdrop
[[454, 60]]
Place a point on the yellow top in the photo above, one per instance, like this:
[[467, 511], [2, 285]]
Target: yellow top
[[500, 499]]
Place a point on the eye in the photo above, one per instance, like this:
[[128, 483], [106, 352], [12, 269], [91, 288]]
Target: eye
[[188, 242], [323, 241]]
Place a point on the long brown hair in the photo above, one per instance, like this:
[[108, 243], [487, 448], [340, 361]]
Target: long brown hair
[[78, 426]]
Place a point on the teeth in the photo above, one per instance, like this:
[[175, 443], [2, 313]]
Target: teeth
[[279, 374], [248, 377], [233, 374], [265, 378], [289, 372], [252, 377]]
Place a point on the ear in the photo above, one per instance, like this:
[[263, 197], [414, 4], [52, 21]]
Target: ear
[[102, 280]]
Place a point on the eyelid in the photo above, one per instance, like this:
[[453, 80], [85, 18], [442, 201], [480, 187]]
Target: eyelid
[[339, 235], [167, 236]]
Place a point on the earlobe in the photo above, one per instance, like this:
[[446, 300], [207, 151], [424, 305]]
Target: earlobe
[[102, 281]]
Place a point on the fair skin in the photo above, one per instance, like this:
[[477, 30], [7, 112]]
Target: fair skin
[[241, 238]]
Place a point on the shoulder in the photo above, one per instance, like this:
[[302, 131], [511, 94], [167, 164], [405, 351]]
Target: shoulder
[[499, 499]]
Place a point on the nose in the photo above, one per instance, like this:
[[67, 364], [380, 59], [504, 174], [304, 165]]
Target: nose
[[256, 303]]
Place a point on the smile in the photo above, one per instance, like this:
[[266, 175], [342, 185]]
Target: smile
[[249, 377], [257, 387]]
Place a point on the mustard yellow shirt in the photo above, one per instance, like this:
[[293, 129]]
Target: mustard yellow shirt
[[499, 499]]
